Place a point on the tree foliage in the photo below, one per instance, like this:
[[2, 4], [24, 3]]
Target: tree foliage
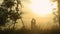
[[6, 11], [3, 16]]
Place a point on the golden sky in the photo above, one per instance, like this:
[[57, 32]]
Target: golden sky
[[32, 6], [34, 9]]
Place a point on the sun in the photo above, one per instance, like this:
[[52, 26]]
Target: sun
[[41, 7]]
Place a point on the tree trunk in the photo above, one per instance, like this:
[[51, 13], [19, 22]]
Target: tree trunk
[[14, 25], [22, 23]]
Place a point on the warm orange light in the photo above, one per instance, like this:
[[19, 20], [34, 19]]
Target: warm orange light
[[41, 7]]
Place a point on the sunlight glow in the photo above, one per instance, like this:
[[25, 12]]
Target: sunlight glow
[[41, 7]]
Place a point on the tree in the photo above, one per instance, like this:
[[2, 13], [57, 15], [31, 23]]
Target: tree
[[6, 11], [59, 10], [57, 16], [3, 16]]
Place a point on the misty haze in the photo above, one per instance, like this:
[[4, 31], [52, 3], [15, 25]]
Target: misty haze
[[30, 16]]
